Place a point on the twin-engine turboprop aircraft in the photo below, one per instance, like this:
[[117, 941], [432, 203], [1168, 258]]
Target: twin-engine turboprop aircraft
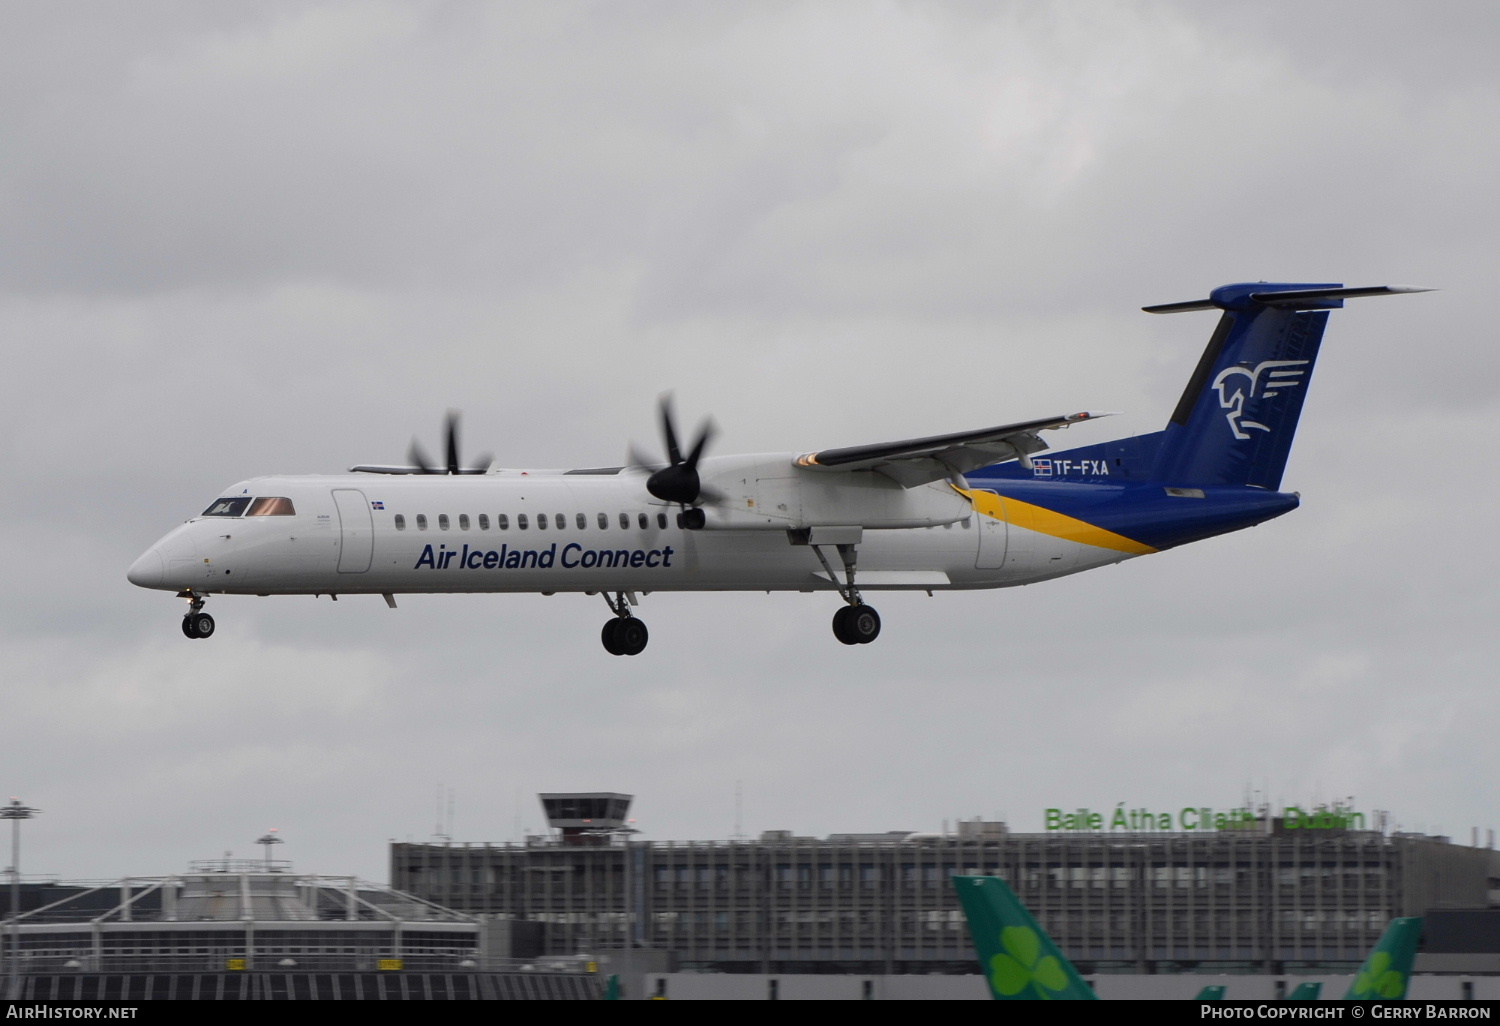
[[974, 509]]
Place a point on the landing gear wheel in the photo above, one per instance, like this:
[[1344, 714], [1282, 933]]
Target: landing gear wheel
[[841, 626], [856, 625], [631, 636], [198, 625], [864, 623], [607, 635]]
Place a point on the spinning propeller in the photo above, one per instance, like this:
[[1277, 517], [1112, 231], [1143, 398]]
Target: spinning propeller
[[677, 481], [419, 460]]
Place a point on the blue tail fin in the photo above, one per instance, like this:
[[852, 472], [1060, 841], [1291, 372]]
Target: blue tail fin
[[1235, 421]]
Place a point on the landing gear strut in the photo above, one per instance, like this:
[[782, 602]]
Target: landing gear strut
[[855, 623], [623, 634], [197, 623]]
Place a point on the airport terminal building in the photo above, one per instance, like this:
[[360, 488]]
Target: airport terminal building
[[253, 929], [1259, 899]]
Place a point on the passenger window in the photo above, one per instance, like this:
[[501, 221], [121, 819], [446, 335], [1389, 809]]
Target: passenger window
[[400, 522], [624, 521], [559, 521], [463, 521], [271, 507], [226, 508], [421, 521], [484, 521], [541, 521], [661, 521], [502, 521], [582, 521], [604, 521], [642, 519], [520, 521], [442, 521]]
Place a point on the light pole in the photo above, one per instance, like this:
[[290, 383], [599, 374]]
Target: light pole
[[265, 842], [15, 812]]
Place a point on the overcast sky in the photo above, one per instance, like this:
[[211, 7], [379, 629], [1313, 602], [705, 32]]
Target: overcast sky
[[240, 239]]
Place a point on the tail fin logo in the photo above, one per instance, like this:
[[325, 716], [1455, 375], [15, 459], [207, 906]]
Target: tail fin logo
[[1234, 394], [1023, 965], [1379, 979]]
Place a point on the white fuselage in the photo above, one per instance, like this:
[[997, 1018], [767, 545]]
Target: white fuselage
[[547, 531]]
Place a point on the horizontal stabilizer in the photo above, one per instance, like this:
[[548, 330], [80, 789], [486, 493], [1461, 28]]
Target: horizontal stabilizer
[[1293, 299], [1193, 304], [1302, 298]]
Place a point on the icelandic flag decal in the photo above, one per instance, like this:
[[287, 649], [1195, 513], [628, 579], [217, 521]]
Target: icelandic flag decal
[[377, 505]]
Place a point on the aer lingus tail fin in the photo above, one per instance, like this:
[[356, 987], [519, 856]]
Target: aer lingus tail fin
[[1017, 957], [1213, 992], [1385, 973]]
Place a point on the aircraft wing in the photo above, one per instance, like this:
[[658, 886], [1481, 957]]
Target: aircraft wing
[[917, 461], [372, 468]]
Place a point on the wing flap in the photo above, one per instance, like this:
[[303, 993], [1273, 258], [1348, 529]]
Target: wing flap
[[894, 578]]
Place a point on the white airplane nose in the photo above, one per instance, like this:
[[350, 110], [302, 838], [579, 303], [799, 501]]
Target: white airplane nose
[[148, 571]]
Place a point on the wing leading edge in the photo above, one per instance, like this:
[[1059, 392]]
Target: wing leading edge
[[918, 461]]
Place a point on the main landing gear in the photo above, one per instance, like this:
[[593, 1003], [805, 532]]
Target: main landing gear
[[858, 624], [623, 634], [855, 623], [197, 623]]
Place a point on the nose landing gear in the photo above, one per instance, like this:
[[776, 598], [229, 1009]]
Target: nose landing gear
[[197, 623], [623, 634]]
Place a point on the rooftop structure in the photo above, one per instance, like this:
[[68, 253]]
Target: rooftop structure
[[254, 928], [1259, 899], [588, 817]]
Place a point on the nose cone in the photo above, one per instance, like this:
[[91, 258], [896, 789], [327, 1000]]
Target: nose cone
[[148, 571]]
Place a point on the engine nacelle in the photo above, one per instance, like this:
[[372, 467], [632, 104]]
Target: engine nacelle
[[772, 493]]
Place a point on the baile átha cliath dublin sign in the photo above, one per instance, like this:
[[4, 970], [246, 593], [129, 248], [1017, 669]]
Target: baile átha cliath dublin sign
[[1191, 819]]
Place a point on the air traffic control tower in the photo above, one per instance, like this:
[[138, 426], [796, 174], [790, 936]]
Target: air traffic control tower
[[588, 818]]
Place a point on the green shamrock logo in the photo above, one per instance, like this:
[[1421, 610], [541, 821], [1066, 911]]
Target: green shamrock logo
[[1380, 980], [1012, 973]]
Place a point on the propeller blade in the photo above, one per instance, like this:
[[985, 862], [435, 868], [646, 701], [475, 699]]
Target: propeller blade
[[705, 433], [638, 460], [479, 466], [678, 481], [674, 454], [417, 458], [452, 433]]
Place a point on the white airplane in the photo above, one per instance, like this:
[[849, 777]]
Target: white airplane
[[974, 509]]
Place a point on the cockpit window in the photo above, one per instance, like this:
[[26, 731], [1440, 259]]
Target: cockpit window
[[226, 507], [269, 506]]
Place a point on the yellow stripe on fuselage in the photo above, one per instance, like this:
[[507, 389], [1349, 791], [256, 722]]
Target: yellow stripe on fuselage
[[1046, 521]]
